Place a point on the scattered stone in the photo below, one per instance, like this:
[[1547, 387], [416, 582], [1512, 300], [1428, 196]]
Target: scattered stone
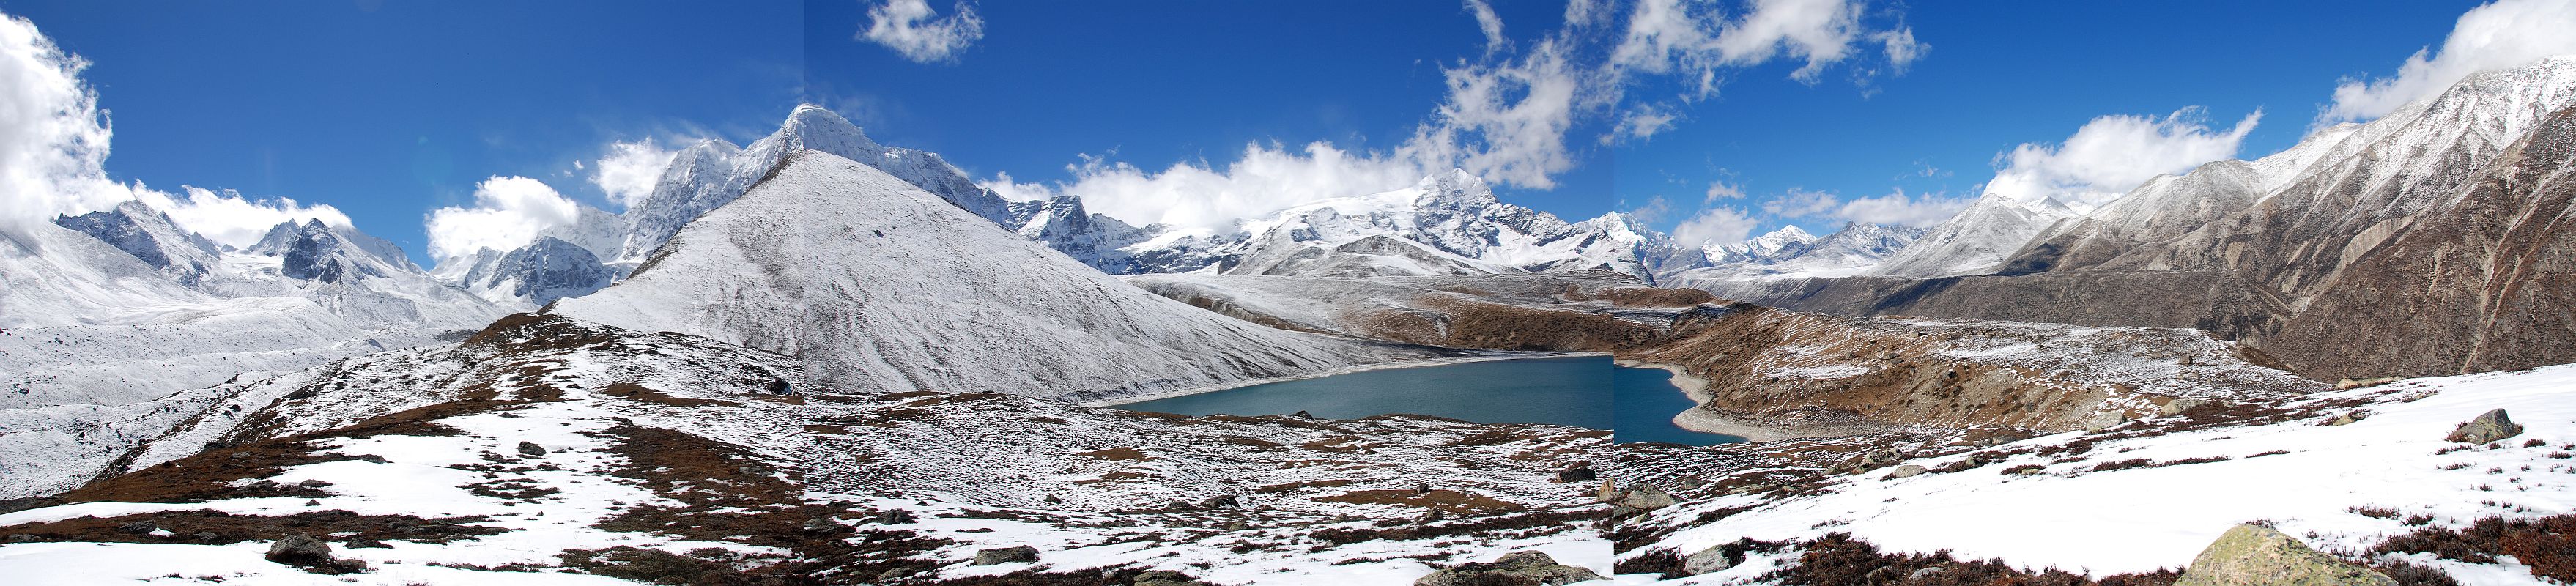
[[2253, 554], [1905, 471], [2105, 420], [1302, 415], [20, 538], [896, 517], [314, 483], [1222, 501], [242, 455], [1006, 555], [1936, 570], [1431, 517], [1051, 499], [2350, 384], [824, 525], [531, 449], [138, 527], [1422, 488], [368, 544], [1579, 472], [2488, 427], [312, 502], [1716, 559], [1166, 578], [896, 573], [1237, 525], [2178, 406], [2344, 419], [303, 551], [207, 536], [1519, 567]]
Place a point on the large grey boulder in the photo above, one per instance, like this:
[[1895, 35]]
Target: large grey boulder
[[312, 555], [1005, 555], [2487, 427], [2254, 555], [1519, 568]]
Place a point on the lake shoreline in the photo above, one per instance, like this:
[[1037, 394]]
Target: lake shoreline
[[1701, 419], [1488, 356]]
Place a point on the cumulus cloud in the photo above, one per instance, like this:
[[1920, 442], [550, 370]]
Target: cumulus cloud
[[508, 213], [1002, 185], [1717, 225], [1800, 203], [53, 137], [1899, 208], [227, 218], [630, 169], [1266, 178], [910, 27], [1696, 40], [2112, 154], [1718, 190], [2503, 34]]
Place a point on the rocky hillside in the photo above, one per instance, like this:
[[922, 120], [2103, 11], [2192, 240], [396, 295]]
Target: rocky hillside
[[544, 448], [2301, 252]]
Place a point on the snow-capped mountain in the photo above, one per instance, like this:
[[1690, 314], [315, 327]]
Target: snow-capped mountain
[[1790, 252], [122, 305], [1448, 223], [707, 175], [1978, 239], [1063, 224], [880, 284]]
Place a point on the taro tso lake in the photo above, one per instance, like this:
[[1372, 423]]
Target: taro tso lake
[[1637, 404]]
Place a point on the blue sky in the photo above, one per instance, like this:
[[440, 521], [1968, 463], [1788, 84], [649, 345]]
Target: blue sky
[[388, 110]]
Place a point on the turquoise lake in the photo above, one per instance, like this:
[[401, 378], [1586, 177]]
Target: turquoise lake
[[1637, 404]]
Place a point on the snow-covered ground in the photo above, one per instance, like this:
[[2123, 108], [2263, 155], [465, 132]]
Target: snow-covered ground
[[2306, 477]]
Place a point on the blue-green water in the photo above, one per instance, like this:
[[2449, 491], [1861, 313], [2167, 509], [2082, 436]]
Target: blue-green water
[[1588, 391]]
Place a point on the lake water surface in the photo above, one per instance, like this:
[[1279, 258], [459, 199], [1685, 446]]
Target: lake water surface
[[1638, 404]]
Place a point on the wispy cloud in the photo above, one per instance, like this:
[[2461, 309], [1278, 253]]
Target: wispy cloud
[[2112, 154], [2504, 34], [910, 27]]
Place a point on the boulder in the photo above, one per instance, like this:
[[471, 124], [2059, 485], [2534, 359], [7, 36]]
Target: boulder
[[2487, 427], [1519, 568], [2254, 554], [1222, 501], [1005, 555], [1579, 472], [2178, 406], [303, 551], [2105, 420], [138, 527], [531, 449], [1906, 470], [1166, 578], [1645, 497]]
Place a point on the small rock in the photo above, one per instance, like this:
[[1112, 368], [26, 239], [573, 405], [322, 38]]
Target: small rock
[[312, 503], [2252, 554], [1051, 499], [1930, 571], [896, 573], [2105, 420], [1222, 501], [1519, 567], [207, 536], [242, 455], [1645, 497], [2178, 406], [138, 527], [313, 483], [1237, 525], [531, 449], [1420, 489], [1905, 471], [824, 525], [1716, 559], [896, 517], [2344, 419], [303, 551], [368, 544], [1166, 578], [2487, 427], [1580, 472], [1302, 415], [1006, 555]]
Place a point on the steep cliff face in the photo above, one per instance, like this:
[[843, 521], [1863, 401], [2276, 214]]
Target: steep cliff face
[[2486, 279]]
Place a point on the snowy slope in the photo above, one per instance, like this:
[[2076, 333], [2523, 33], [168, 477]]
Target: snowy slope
[[874, 279], [2201, 474], [1978, 239]]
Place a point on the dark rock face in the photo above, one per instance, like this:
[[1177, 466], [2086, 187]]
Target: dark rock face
[[546, 270], [315, 253], [148, 235]]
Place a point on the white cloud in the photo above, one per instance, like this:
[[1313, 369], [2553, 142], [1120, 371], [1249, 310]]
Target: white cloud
[[1800, 203], [2112, 154], [230, 219], [1265, 179], [1506, 123], [910, 27], [2503, 34], [508, 213], [1902, 49], [1721, 190], [1640, 123], [1902, 209], [1002, 185], [629, 171], [53, 137], [1666, 36], [1488, 22], [1717, 225]]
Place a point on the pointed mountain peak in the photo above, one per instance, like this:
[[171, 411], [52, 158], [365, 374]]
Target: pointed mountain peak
[[814, 127], [1454, 190]]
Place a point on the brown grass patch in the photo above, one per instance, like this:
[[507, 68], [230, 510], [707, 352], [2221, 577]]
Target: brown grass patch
[[1117, 454], [1445, 501], [211, 527], [636, 392]]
